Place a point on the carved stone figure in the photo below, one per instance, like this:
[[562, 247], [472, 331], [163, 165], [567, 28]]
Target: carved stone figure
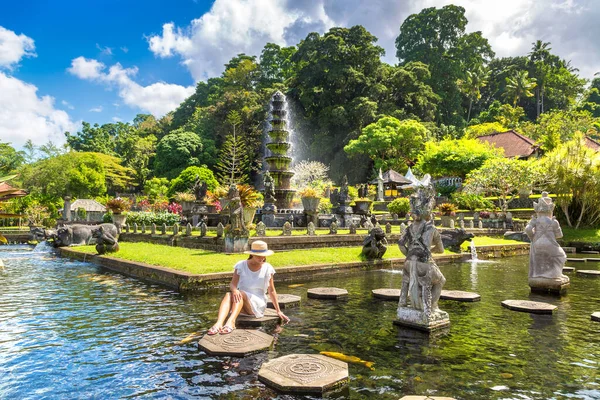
[[199, 189], [375, 244], [352, 228], [310, 230], [453, 238], [422, 281], [334, 225], [236, 212], [269, 188], [105, 242], [40, 234], [79, 235], [334, 197], [261, 229], [220, 230], [546, 257], [287, 229]]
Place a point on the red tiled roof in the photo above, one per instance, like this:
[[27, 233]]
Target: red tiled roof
[[592, 144], [513, 143], [8, 192]]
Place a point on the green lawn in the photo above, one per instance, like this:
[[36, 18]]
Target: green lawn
[[591, 235], [203, 262]]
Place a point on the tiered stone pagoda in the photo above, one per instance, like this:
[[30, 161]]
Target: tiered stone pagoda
[[278, 161]]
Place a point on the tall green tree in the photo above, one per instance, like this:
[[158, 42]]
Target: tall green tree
[[234, 164], [437, 38], [175, 152], [472, 84], [10, 159], [390, 143], [519, 86], [276, 65]]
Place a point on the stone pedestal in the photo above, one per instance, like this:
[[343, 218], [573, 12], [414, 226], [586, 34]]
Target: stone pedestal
[[312, 216], [236, 244], [268, 214], [408, 316], [238, 343], [552, 285]]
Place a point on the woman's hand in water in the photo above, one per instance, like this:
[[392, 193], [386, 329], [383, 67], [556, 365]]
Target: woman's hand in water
[[283, 317]]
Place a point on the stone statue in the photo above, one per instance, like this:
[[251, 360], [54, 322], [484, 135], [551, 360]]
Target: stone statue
[[375, 244], [546, 257], [287, 229], [199, 189], [334, 197], [269, 188], [422, 281], [105, 242], [236, 212], [380, 186], [344, 190], [261, 229], [333, 227]]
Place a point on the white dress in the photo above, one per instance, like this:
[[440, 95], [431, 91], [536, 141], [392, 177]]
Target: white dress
[[255, 285]]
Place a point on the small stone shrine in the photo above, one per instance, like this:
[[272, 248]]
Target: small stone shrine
[[546, 257], [422, 281], [304, 373]]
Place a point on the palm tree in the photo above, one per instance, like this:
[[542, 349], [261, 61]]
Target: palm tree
[[540, 59], [519, 85], [472, 84]]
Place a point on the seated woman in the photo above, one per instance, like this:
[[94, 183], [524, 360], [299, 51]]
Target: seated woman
[[251, 279]]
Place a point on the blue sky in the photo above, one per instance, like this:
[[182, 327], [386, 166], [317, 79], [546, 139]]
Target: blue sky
[[63, 62]]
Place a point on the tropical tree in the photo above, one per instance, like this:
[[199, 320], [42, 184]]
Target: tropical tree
[[10, 159], [390, 143], [234, 163], [175, 152], [472, 84], [518, 86], [455, 157], [576, 172], [187, 178]]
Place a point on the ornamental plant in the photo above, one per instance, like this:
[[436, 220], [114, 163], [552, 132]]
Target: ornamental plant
[[180, 197], [448, 209], [118, 205], [249, 197], [309, 192], [399, 206]]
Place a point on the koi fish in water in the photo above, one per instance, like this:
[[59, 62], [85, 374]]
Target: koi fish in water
[[190, 337], [349, 359]]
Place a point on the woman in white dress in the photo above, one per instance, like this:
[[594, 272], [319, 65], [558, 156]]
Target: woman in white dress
[[252, 278]]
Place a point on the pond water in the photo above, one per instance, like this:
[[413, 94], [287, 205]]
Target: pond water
[[72, 330]]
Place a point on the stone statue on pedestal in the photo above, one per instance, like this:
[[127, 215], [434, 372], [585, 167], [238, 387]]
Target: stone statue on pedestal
[[422, 281], [269, 188], [199, 189], [546, 257], [375, 244]]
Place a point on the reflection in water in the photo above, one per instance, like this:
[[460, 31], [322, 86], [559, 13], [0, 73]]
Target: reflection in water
[[71, 330]]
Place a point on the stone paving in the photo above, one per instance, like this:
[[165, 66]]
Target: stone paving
[[250, 321], [386, 294], [596, 316], [534, 307], [304, 373], [238, 343], [327, 293], [588, 272], [568, 269], [285, 301], [426, 398], [459, 295]]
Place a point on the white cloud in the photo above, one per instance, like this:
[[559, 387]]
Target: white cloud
[[96, 109], [106, 51], [116, 119], [124, 49], [511, 26], [158, 98], [14, 47], [67, 104], [24, 115]]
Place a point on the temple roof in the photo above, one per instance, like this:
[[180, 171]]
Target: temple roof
[[513, 143], [391, 176], [88, 205], [9, 192]]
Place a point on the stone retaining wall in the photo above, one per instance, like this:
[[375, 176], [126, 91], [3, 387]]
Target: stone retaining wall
[[185, 281]]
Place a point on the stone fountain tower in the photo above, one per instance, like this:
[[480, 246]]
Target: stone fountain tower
[[277, 158]]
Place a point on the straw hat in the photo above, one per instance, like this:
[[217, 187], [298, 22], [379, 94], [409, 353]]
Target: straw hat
[[259, 248]]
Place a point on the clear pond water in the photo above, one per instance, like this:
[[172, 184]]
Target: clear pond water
[[70, 330]]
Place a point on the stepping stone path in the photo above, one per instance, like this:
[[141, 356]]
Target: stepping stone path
[[588, 272], [238, 343], [596, 316], [590, 252], [535, 307], [426, 398], [304, 373], [327, 293], [576, 259], [568, 269], [386, 294], [592, 259], [459, 295], [250, 321], [286, 301]]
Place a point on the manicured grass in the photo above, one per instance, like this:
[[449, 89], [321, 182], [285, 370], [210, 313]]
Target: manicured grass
[[204, 262], [591, 235]]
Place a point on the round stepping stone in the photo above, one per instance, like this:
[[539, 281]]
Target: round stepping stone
[[596, 316], [593, 259], [459, 295], [327, 293], [576, 259], [304, 373], [426, 398], [386, 294], [286, 301], [238, 343], [568, 269], [588, 272], [590, 252], [250, 321], [535, 307]]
